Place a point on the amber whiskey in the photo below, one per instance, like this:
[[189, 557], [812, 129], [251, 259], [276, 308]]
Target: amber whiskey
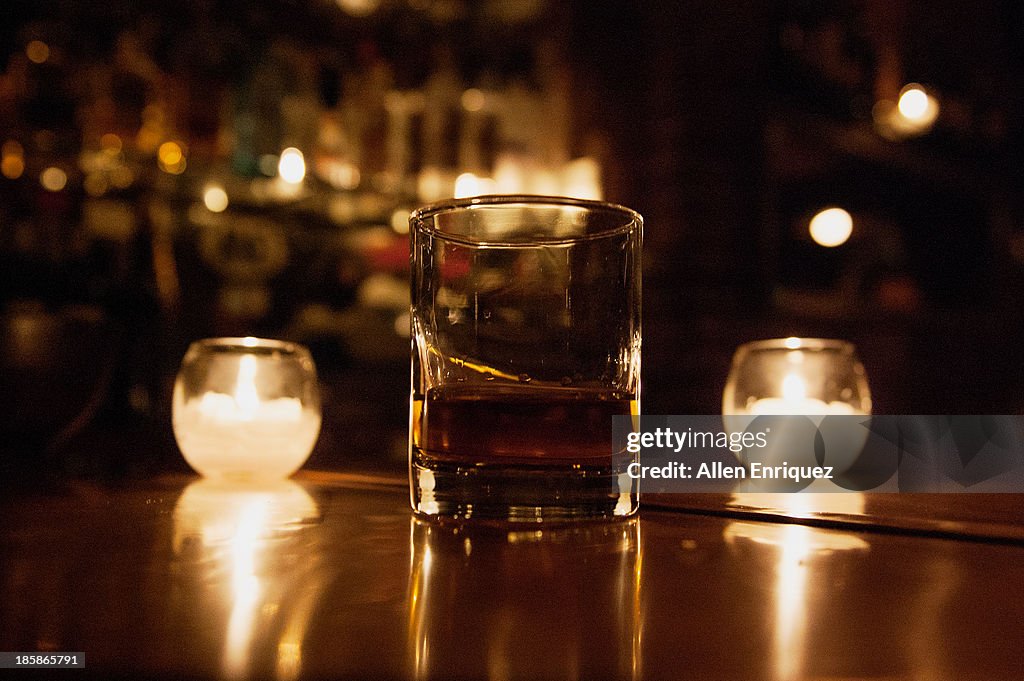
[[480, 425]]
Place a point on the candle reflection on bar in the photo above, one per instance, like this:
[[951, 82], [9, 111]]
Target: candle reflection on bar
[[244, 542], [799, 554]]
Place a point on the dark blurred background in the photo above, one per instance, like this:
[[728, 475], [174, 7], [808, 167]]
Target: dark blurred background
[[172, 171]]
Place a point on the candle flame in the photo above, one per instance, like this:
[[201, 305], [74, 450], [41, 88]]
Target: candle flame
[[793, 388], [246, 396]]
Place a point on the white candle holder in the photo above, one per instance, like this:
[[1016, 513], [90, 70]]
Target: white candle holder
[[246, 408]]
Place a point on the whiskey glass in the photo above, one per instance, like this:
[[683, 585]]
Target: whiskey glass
[[525, 343]]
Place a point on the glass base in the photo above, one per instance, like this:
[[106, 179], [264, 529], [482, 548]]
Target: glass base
[[519, 493]]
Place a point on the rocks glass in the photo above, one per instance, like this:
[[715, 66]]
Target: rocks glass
[[525, 343]]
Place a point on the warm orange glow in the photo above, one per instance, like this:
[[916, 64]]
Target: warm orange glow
[[913, 114], [431, 184], [509, 175], [343, 175], [401, 325], [12, 167], [12, 148], [148, 139], [400, 221], [798, 550], [171, 158], [581, 179], [37, 51], [122, 177], [95, 184], [13, 164], [53, 179], [153, 114], [831, 227], [917, 105], [543, 182], [170, 153], [473, 100], [111, 144], [359, 8], [237, 530]]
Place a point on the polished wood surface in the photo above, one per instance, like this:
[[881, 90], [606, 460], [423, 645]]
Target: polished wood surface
[[330, 577]]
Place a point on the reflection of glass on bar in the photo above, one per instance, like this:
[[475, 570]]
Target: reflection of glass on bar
[[526, 341], [495, 583]]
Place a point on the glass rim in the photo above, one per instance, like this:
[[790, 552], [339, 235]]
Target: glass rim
[[792, 343], [249, 344], [419, 218]]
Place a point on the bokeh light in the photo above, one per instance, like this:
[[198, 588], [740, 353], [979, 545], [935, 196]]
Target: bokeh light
[[111, 144], [913, 114], [37, 51], [917, 105], [359, 8], [468, 184], [473, 99], [12, 160], [170, 157], [292, 166], [215, 199], [400, 221], [831, 227], [53, 179]]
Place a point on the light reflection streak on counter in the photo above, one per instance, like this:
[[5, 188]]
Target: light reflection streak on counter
[[245, 587], [497, 587], [637, 610], [245, 535], [419, 576], [795, 545]]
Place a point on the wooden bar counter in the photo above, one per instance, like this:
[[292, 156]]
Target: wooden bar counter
[[328, 576]]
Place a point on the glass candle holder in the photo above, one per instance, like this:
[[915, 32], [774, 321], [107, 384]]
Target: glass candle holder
[[810, 380], [796, 376], [246, 408]]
